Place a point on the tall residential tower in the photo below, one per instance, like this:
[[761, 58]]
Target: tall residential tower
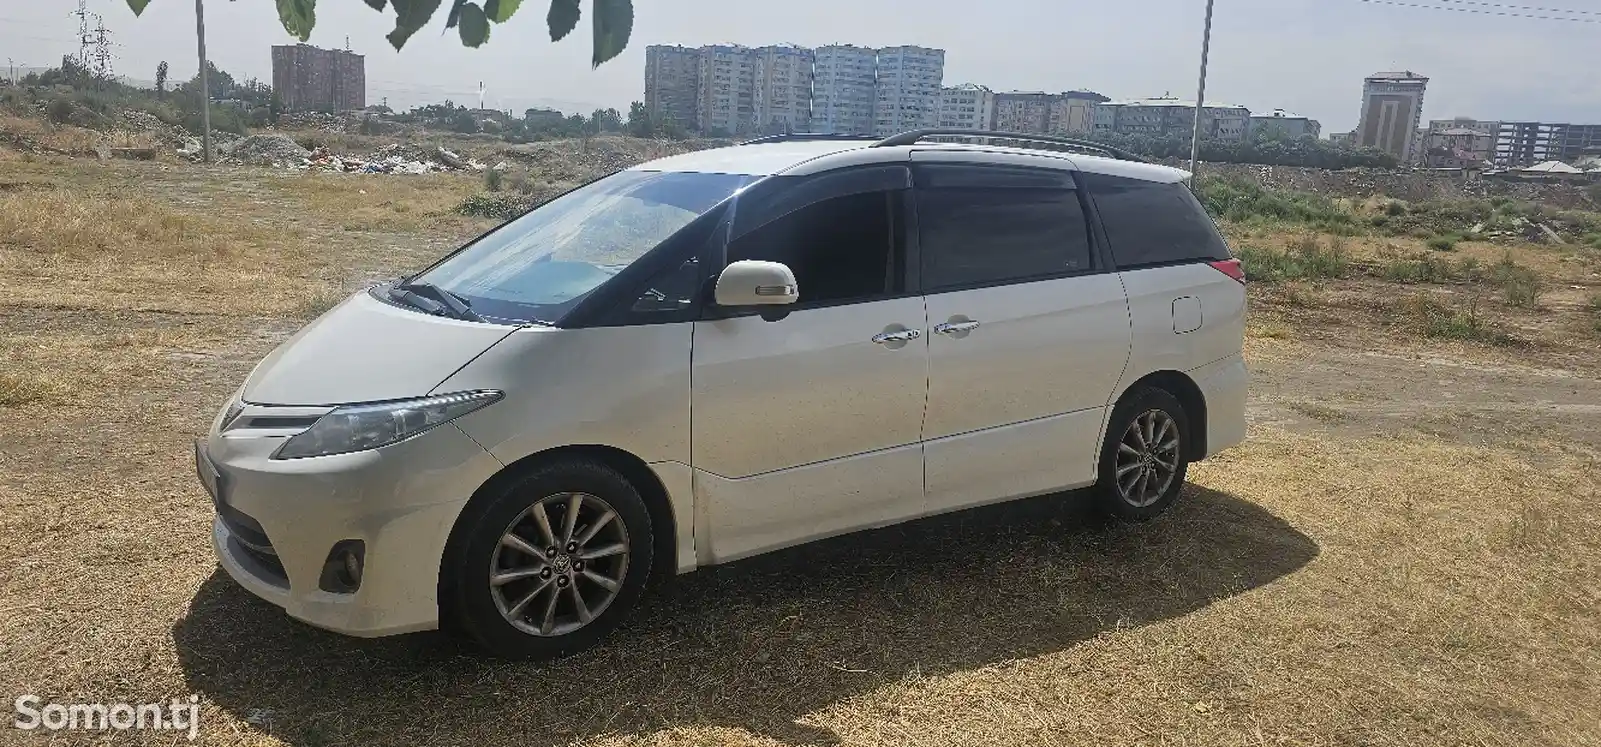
[[1392, 111]]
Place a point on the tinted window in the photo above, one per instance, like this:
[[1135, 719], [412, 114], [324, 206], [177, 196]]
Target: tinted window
[[672, 290], [981, 225], [842, 249], [1150, 223]]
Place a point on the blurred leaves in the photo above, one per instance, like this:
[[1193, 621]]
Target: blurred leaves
[[612, 20]]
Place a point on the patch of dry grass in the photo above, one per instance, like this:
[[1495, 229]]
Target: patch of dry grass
[[382, 202]]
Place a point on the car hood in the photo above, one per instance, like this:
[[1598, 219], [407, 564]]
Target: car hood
[[366, 350]]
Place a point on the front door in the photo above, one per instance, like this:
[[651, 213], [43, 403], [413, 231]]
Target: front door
[[808, 425], [1029, 332]]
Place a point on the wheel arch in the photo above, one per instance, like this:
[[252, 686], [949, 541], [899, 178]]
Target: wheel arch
[[664, 525], [1189, 394]]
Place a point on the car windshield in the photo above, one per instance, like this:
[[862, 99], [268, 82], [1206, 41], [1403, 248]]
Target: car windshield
[[536, 267]]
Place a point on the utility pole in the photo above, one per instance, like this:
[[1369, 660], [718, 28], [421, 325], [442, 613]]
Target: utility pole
[[205, 88], [1200, 96]]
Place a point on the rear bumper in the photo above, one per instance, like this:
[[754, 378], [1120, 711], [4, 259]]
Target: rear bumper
[[1225, 385]]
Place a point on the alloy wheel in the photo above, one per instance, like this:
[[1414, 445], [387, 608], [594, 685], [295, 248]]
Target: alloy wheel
[[1147, 458], [559, 564]]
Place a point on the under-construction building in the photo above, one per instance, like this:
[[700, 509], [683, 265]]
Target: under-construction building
[[308, 78], [1529, 143]]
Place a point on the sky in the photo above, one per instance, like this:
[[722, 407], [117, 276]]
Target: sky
[[1306, 56]]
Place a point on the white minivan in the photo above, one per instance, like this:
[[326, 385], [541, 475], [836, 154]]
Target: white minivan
[[723, 353]]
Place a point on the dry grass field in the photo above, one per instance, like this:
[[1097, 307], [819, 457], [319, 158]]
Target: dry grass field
[[1406, 552]]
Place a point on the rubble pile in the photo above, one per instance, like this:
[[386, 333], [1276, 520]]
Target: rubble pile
[[1400, 184], [264, 150], [395, 158]]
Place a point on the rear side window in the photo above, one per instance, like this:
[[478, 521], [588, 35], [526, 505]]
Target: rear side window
[[1153, 223], [982, 225]]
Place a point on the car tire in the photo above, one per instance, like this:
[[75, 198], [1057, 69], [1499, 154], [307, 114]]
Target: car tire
[[518, 590], [1129, 455]]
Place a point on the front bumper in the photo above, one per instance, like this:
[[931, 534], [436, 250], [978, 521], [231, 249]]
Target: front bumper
[[278, 520]]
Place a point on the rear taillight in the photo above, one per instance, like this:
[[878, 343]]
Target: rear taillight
[[1231, 268]]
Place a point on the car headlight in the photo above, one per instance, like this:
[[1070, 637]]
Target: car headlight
[[361, 427]]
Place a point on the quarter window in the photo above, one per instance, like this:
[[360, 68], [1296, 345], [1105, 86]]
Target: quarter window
[[986, 225], [1154, 223]]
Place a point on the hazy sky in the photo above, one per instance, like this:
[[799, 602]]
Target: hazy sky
[[1307, 56]]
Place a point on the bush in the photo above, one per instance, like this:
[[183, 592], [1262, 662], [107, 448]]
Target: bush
[[1306, 259], [1395, 208], [1519, 285], [1444, 242], [492, 179], [60, 111], [1242, 201]]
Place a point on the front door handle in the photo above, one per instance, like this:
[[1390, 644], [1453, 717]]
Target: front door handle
[[950, 328], [905, 335]]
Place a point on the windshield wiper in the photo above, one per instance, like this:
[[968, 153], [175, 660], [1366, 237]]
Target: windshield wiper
[[441, 299]]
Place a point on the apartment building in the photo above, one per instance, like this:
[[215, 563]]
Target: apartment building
[[1166, 116], [1073, 112], [967, 106], [1392, 110], [308, 78], [672, 84], [1293, 126], [783, 92], [1023, 111], [907, 90], [1070, 113], [727, 99], [844, 89], [1460, 142]]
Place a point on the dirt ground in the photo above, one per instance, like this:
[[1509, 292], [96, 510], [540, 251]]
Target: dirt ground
[[1406, 551]]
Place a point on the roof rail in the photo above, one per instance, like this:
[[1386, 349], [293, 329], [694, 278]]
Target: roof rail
[[791, 137], [912, 137]]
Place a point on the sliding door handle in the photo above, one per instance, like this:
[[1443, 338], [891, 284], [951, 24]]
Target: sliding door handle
[[905, 335], [951, 328]]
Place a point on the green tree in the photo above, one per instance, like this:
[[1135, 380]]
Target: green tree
[[640, 122], [161, 78], [612, 21], [606, 120]]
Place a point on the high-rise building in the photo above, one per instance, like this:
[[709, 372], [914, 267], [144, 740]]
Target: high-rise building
[[1392, 112], [308, 78], [967, 106], [672, 85], [727, 104], [783, 90], [907, 92], [844, 89]]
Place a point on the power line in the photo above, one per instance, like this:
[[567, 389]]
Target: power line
[[1525, 7], [1481, 12]]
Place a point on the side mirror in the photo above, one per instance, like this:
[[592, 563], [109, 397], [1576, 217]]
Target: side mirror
[[750, 282]]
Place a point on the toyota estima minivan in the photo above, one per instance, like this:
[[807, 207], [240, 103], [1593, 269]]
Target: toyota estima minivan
[[719, 354]]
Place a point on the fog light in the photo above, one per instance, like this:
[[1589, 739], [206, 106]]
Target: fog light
[[341, 572]]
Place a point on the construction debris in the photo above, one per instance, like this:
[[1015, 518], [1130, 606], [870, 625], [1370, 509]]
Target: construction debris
[[265, 150]]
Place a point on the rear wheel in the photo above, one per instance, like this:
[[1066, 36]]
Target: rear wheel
[[552, 563], [1143, 461]]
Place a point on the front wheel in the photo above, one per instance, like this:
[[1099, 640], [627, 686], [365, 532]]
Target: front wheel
[[552, 563], [1143, 462]]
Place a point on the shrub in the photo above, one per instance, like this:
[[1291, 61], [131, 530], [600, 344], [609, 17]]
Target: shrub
[[1241, 201], [1395, 208], [492, 179], [1444, 242], [1306, 259], [1520, 285], [1461, 322]]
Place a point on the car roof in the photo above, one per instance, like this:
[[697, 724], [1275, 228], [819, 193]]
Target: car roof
[[811, 156]]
